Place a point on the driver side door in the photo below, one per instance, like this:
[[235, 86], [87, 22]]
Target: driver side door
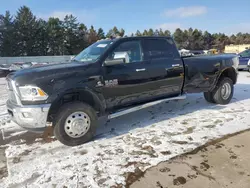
[[126, 83]]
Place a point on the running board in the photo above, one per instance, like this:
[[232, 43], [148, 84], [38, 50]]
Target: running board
[[136, 108]]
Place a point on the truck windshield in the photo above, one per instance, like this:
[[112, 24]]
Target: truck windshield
[[93, 52]]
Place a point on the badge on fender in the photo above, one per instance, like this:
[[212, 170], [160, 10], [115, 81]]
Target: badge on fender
[[108, 83]]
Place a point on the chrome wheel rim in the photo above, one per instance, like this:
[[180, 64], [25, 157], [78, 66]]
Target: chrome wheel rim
[[77, 124], [226, 91]]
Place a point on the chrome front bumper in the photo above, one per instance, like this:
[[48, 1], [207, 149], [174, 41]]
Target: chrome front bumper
[[31, 117]]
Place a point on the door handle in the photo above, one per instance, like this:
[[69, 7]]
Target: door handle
[[139, 70], [175, 65]]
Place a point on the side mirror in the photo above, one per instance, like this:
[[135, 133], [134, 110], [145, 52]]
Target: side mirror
[[114, 62]]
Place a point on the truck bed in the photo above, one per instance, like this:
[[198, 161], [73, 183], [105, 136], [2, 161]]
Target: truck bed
[[201, 72]]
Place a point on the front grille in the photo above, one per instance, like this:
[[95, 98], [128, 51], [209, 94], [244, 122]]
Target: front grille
[[9, 85], [12, 95]]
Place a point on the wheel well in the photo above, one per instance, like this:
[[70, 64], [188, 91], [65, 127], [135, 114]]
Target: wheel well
[[81, 96], [230, 73]]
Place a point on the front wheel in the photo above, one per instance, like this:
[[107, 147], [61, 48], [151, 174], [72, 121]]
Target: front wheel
[[223, 93], [75, 123], [209, 97]]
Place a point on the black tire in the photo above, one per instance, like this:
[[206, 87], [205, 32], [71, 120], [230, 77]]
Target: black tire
[[209, 97], [240, 69], [63, 113], [218, 97]]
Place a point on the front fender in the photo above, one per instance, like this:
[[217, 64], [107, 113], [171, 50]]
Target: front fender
[[83, 94]]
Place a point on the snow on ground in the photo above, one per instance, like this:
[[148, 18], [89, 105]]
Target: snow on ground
[[138, 140], [4, 95]]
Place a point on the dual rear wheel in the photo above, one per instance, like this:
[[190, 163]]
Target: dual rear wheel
[[223, 92]]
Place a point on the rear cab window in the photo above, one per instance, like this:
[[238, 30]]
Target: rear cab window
[[159, 48]]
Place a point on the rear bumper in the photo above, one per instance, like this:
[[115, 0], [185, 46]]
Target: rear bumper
[[30, 117]]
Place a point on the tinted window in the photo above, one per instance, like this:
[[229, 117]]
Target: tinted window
[[158, 48], [245, 53], [129, 50]]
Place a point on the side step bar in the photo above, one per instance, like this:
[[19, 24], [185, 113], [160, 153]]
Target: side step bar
[[136, 108]]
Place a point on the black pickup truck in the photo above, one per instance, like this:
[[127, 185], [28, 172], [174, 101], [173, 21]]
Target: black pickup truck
[[110, 78]]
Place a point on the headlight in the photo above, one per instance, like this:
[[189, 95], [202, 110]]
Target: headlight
[[248, 62], [32, 93]]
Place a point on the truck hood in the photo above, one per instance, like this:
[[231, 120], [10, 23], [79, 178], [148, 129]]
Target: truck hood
[[52, 67], [33, 75]]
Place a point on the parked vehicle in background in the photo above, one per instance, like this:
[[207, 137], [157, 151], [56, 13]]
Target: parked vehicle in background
[[4, 70], [21, 65], [244, 58], [248, 65], [213, 51], [197, 52], [185, 54], [112, 78]]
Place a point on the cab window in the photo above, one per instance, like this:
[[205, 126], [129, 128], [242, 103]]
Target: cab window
[[129, 50], [158, 48]]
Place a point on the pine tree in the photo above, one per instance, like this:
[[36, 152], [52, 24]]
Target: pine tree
[[42, 45], [121, 32], [167, 33], [100, 34], [179, 38], [82, 35], [115, 32], [6, 35], [70, 26], [24, 34], [220, 40], [138, 33], [197, 40], [232, 39], [92, 35], [145, 33], [150, 32], [25, 25], [161, 33], [208, 39], [55, 33]]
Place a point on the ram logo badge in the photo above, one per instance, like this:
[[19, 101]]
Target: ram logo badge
[[99, 84]]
